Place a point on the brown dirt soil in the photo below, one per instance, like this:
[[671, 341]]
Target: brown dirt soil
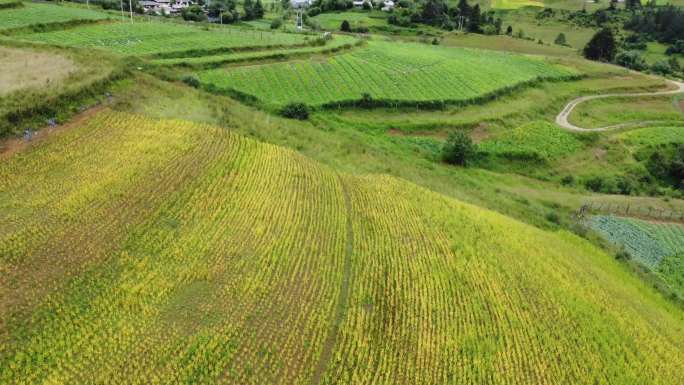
[[438, 134]]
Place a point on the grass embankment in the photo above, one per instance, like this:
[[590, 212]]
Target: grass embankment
[[203, 256], [61, 83], [419, 75]]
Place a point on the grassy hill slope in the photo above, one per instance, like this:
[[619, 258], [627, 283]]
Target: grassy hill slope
[[143, 251]]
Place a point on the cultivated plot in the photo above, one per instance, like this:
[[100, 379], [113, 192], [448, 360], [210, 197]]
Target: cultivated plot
[[147, 38], [389, 72], [34, 13], [144, 251]]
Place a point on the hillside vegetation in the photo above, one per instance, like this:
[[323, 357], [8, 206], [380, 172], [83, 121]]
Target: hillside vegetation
[[137, 250]]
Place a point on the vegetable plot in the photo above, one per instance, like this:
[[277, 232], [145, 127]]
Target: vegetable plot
[[648, 242]]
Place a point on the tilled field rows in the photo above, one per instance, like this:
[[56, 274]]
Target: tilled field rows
[[170, 252]]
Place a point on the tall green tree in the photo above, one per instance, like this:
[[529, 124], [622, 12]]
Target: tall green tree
[[434, 12], [475, 19], [601, 47], [463, 8], [248, 7]]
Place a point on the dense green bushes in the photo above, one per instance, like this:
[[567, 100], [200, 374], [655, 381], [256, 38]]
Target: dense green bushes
[[295, 110], [458, 149], [11, 4]]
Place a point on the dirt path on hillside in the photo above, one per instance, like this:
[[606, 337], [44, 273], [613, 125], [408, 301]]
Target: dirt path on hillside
[[562, 118], [342, 299]]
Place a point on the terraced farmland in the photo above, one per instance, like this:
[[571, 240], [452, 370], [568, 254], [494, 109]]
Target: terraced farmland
[[338, 43], [34, 13], [390, 72], [142, 251], [148, 38]]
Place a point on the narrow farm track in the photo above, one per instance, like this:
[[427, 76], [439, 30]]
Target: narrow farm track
[[562, 118], [343, 298]]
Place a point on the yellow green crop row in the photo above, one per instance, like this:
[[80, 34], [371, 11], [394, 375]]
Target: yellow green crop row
[[143, 251]]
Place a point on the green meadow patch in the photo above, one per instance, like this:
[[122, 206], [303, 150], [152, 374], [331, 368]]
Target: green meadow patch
[[539, 141], [654, 136]]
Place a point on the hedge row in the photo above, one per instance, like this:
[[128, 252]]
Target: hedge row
[[278, 56], [368, 102], [214, 51], [12, 4]]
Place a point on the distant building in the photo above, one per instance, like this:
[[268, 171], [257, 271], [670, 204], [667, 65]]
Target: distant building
[[298, 4], [164, 7], [360, 3], [387, 6], [179, 5]]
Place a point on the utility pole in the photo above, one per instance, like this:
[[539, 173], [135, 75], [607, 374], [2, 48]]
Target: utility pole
[[130, 8], [122, 15]]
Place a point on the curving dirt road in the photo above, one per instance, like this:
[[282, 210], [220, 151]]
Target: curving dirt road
[[562, 118]]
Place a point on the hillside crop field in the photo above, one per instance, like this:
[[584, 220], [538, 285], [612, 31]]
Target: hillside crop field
[[137, 250], [389, 72], [34, 13], [148, 38], [273, 201]]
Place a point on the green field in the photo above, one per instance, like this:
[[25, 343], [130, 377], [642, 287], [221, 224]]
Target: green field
[[654, 136], [333, 21], [143, 251], [391, 72], [339, 42], [610, 111], [34, 13], [533, 141], [149, 38]]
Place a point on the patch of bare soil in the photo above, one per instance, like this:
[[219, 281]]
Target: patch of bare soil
[[599, 153], [480, 133], [439, 134]]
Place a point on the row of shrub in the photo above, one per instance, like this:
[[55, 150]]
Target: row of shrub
[[11, 4], [368, 102], [267, 56]]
